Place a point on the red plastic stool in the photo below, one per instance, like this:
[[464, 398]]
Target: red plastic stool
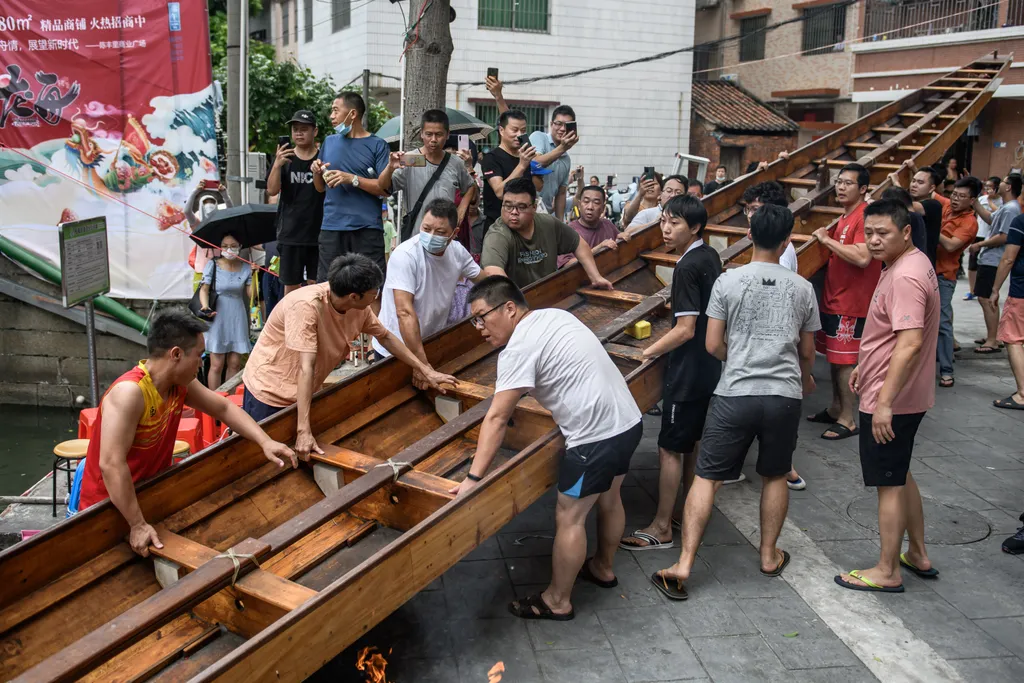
[[86, 420], [190, 430], [240, 390]]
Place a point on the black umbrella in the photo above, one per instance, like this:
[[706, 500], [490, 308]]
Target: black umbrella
[[250, 224]]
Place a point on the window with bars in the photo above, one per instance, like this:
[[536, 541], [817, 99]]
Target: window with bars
[[824, 27], [341, 15], [308, 19], [514, 15], [752, 38], [285, 25], [536, 119]]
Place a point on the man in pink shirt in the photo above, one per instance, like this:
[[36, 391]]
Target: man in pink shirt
[[895, 381], [592, 226]]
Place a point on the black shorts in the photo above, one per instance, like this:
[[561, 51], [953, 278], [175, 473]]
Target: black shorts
[[590, 468], [366, 241], [887, 464], [972, 258], [732, 424], [984, 281], [298, 263], [682, 424]]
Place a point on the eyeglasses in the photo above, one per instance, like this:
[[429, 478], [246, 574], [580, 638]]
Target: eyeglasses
[[959, 195], [749, 210], [558, 124], [477, 321], [515, 208], [845, 183]]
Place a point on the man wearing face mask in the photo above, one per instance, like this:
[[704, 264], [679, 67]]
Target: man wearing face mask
[[721, 180], [422, 275], [347, 172]]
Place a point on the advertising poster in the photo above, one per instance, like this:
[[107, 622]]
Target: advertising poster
[[107, 109]]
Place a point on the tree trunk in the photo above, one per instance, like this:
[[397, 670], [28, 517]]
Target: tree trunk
[[426, 75]]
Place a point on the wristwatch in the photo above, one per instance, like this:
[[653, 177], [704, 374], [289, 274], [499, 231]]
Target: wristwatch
[[355, 181]]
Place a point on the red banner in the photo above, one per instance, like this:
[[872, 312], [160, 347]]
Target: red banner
[[107, 108]]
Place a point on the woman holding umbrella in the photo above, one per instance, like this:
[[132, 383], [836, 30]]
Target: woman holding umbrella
[[228, 338]]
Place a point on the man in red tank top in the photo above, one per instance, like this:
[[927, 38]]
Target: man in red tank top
[[138, 421]]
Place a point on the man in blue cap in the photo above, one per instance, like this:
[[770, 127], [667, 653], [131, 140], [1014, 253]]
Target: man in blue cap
[[538, 173]]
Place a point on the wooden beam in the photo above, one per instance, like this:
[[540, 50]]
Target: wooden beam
[[651, 305], [313, 548], [625, 352], [661, 259], [479, 392], [366, 415], [611, 297], [157, 651], [799, 182]]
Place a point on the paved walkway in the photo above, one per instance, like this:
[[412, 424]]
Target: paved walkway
[[737, 625]]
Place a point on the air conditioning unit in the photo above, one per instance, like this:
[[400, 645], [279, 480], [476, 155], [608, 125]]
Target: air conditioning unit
[[256, 170], [732, 78]]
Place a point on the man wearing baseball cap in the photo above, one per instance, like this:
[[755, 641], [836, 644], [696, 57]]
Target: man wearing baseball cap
[[300, 207], [537, 172]]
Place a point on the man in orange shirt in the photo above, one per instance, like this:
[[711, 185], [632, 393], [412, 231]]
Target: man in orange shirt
[[959, 227], [309, 333]]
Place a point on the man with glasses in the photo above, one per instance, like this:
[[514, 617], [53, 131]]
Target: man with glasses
[[959, 228], [672, 186], [851, 278], [556, 358], [525, 246], [309, 334], [553, 154], [756, 196], [422, 275]]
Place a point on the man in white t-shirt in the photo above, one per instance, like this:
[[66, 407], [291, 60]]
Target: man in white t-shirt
[[671, 186], [756, 196], [422, 275], [553, 355]]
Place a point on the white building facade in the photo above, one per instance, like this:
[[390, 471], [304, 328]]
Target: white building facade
[[628, 117]]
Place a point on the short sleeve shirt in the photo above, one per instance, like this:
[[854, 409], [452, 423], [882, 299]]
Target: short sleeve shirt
[[347, 207], [961, 226], [692, 372], [604, 230], [526, 261], [907, 297], [560, 167], [847, 287], [1001, 220], [646, 217], [303, 322], [496, 164], [300, 209], [1016, 237], [412, 180]]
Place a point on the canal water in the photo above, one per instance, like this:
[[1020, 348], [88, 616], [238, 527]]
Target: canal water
[[27, 437]]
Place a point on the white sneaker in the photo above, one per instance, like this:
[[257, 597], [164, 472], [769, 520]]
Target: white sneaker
[[737, 480]]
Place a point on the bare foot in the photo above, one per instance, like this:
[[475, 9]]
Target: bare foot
[[677, 572], [662, 536], [918, 560], [599, 571]]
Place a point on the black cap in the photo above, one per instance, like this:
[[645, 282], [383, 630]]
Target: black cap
[[303, 116]]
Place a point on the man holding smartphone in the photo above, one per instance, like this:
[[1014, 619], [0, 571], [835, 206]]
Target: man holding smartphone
[[300, 207], [510, 159], [427, 174], [553, 153]]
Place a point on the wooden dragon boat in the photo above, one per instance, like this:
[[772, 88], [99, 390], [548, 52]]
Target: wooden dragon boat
[[267, 574]]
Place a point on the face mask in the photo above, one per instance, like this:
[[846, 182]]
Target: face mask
[[433, 244], [230, 254], [343, 129], [208, 208]]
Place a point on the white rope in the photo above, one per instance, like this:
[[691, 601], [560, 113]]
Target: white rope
[[235, 557], [395, 465]]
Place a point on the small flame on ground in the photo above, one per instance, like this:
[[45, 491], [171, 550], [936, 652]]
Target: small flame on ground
[[494, 675], [373, 663]]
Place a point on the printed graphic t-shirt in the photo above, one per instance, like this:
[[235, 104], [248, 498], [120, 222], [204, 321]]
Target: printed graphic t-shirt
[[526, 261]]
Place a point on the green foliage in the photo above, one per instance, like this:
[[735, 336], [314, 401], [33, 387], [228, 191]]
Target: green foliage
[[379, 114]]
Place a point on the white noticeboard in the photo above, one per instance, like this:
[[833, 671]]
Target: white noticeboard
[[84, 261]]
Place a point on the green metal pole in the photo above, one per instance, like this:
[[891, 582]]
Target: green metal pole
[[52, 273]]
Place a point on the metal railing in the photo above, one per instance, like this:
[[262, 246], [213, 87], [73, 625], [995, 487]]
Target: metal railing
[[514, 15], [891, 19], [1015, 13]]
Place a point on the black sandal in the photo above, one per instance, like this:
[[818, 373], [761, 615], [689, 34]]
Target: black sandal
[[841, 432], [673, 589], [587, 575], [524, 609], [821, 418]]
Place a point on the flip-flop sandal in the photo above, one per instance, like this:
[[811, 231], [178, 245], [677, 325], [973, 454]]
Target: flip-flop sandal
[[588, 575], [524, 609], [673, 590], [797, 484], [986, 350], [778, 570], [652, 542], [923, 573], [981, 341], [946, 382], [841, 432], [870, 587], [1008, 403], [822, 417]]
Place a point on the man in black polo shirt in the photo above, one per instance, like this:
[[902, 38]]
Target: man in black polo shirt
[[503, 163], [300, 208], [692, 373]]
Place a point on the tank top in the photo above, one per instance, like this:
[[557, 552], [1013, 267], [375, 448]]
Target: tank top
[[153, 446]]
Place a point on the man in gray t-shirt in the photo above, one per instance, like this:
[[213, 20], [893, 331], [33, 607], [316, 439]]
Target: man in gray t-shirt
[[553, 153], [761, 322], [991, 252]]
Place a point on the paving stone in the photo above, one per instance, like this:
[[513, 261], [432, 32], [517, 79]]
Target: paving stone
[[578, 666], [983, 455], [483, 642], [1002, 523], [843, 674], [585, 631], [942, 488], [979, 579], [1009, 631], [820, 522], [710, 616], [738, 659], [983, 483], [738, 568], [443, 670], [939, 624], [1000, 670], [947, 524], [648, 645], [478, 589], [849, 555], [523, 544], [529, 570], [814, 645], [702, 583]]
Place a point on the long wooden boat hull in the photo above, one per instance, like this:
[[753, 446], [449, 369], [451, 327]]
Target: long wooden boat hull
[[267, 574]]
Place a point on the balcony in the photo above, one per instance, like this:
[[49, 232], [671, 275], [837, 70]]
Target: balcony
[[894, 19]]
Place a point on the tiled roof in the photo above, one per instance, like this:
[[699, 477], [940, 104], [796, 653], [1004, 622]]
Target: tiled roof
[[731, 108]]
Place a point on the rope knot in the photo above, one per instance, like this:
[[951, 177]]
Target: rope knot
[[395, 465], [235, 557]]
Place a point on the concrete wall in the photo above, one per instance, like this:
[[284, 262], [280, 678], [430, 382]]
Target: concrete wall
[[629, 117], [43, 357]]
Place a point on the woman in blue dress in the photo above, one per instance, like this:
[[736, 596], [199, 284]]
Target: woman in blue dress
[[228, 337]]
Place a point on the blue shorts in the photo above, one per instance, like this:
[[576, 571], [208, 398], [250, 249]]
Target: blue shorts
[[257, 409], [590, 468]]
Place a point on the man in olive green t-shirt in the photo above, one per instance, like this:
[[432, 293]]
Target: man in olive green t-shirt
[[525, 247]]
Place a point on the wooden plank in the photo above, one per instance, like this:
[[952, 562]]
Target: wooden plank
[[951, 88], [65, 586], [366, 416], [612, 297], [310, 550], [154, 652], [205, 507], [661, 259], [449, 458], [926, 131], [651, 305], [798, 182], [919, 114], [625, 352], [480, 393]]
